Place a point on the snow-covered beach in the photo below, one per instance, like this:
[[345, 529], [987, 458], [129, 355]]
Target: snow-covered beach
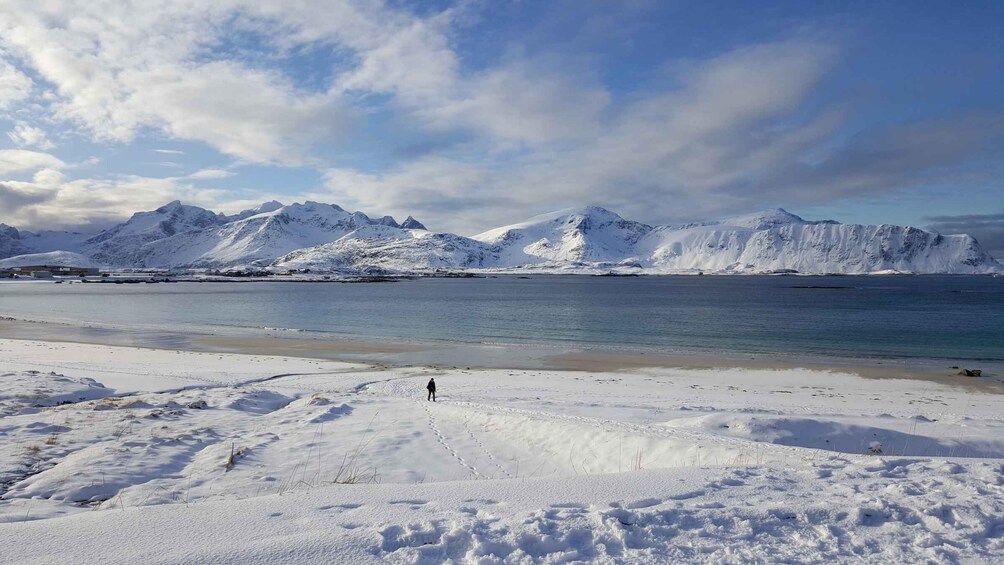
[[237, 458]]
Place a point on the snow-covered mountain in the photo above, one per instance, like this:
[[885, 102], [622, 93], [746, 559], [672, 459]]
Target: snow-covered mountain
[[776, 240], [577, 235], [592, 238], [325, 237], [19, 242], [394, 250], [10, 242], [261, 238], [124, 244]]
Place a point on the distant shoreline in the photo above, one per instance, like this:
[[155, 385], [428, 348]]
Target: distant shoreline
[[154, 277], [397, 352]]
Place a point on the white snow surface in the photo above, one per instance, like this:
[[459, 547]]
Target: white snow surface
[[585, 240], [52, 258], [278, 460]]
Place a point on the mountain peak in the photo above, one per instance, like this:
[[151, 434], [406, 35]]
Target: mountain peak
[[11, 231], [270, 206], [765, 219], [566, 214], [590, 210], [412, 224], [170, 207]]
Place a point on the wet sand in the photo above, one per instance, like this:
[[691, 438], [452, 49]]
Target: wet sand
[[395, 352], [868, 368]]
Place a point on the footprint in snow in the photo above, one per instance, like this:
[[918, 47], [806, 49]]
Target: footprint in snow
[[643, 503], [577, 505], [687, 495]]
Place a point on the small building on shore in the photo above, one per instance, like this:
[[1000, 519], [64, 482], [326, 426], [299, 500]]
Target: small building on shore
[[49, 271], [55, 263]]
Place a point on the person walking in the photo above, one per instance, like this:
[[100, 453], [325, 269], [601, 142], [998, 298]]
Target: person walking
[[432, 390]]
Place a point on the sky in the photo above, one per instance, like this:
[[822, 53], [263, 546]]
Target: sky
[[474, 114]]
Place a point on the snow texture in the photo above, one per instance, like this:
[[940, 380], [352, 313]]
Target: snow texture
[[275, 460]]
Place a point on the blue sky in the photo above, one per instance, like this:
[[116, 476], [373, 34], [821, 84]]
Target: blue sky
[[473, 114]]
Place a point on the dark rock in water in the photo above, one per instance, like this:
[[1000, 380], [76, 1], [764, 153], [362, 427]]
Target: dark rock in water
[[970, 373], [613, 274]]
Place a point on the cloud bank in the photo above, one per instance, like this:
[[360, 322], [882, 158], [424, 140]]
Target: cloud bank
[[338, 87]]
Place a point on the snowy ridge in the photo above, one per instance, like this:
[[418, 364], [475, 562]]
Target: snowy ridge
[[122, 244], [262, 238], [325, 237], [370, 250]]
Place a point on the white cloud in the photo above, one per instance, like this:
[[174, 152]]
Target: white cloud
[[24, 135], [15, 86], [523, 102], [412, 60], [18, 160], [205, 174], [526, 132], [119, 67], [51, 202], [658, 155], [48, 178]]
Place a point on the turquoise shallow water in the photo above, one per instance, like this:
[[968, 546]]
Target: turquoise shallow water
[[892, 317]]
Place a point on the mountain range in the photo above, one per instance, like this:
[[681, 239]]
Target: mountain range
[[319, 237]]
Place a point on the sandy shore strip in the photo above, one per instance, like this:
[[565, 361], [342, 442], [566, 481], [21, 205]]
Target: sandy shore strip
[[410, 353]]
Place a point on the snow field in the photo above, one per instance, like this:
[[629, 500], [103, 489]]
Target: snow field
[[320, 462]]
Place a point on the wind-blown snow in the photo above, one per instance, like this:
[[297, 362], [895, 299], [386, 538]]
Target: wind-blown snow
[[589, 240], [324, 462]]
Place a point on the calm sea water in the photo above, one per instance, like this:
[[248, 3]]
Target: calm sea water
[[899, 317]]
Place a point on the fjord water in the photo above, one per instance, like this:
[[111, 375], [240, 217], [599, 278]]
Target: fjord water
[[935, 317]]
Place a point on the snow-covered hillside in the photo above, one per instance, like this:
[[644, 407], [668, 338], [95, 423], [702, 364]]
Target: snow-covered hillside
[[51, 258], [586, 235], [325, 237], [401, 251], [123, 244], [262, 238]]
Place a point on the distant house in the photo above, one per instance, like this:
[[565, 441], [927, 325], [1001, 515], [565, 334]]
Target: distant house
[[41, 274]]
